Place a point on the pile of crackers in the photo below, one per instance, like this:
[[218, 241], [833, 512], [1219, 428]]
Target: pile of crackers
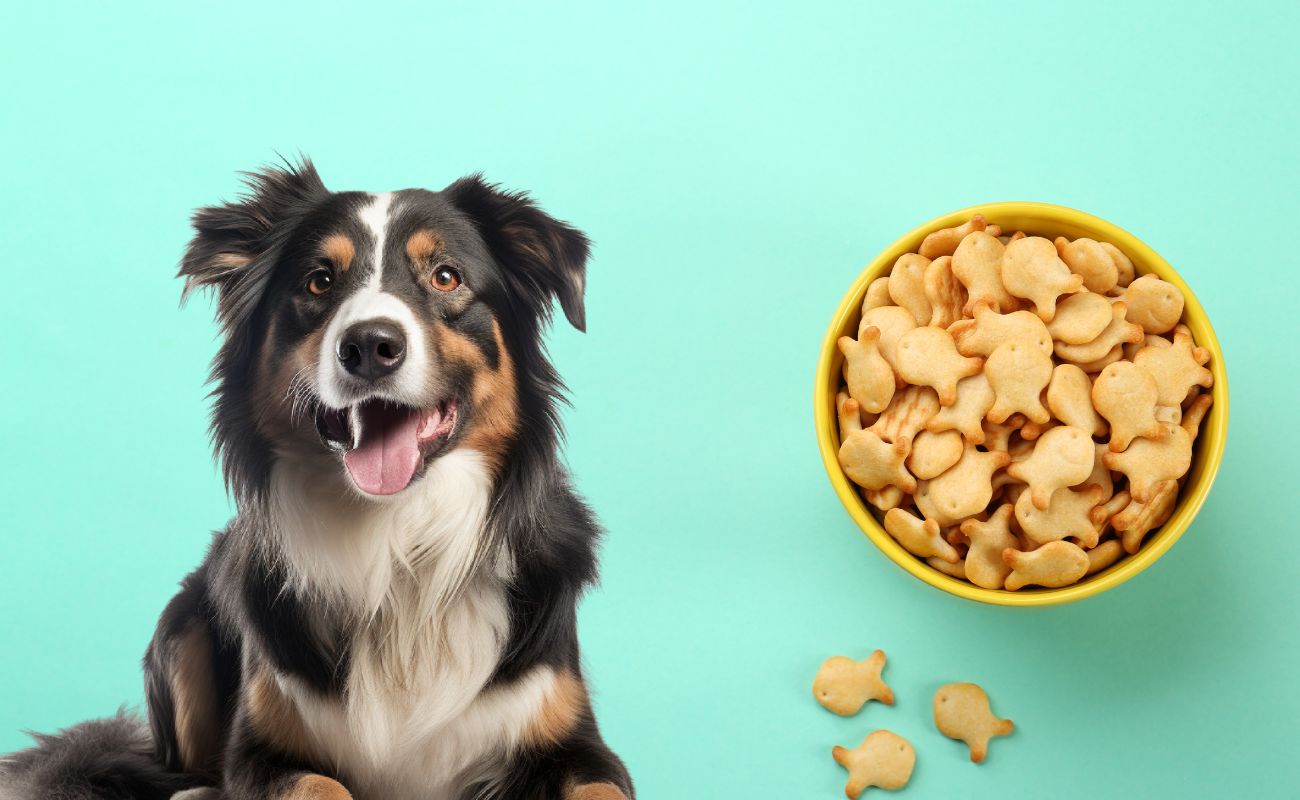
[[1020, 411]]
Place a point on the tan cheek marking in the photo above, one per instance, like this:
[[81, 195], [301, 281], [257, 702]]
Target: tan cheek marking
[[338, 247], [273, 716], [594, 791], [316, 787], [194, 697], [560, 711], [495, 397]]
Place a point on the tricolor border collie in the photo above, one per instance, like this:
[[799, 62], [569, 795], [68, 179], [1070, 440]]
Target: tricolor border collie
[[391, 613]]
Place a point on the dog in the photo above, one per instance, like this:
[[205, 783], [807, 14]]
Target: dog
[[391, 613]]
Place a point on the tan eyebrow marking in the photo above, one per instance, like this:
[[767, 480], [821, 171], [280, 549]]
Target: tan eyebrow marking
[[338, 247], [423, 245]]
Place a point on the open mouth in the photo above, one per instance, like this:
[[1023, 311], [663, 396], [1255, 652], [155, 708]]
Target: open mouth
[[384, 444]]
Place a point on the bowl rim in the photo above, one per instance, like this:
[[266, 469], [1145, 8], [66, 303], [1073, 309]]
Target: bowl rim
[[1210, 445]]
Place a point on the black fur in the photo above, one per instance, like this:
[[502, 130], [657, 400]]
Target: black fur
[[252, 252]]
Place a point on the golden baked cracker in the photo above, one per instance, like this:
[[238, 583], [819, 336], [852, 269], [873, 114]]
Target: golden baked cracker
[[988, 329], [967, 487], [961, 711], [907, 413], [1080, 318], [920, 538], [1149, 462], [886, 498], [884, 759], [1176, 368], [933, 453], [928, 357], [1193, 414], [1067, 516], [1155, 304], [1069, 398], [1103, 555], [977, 263], [1136, 519], [1093, 367], [1088, 259], [997, 435], [1061, 457], [1115, 334], [944, 242], [893, 322], [930, 509], [870, 461], [1052, 565], [866, 372], [974, 399], [1018, 373], [1032, 430], [877, 294], [984, 564], [1123, 267], [1126, 395], [1101, 476], [946, 294], [1031, 269], [957, 570], [843, 686], [907, 286]]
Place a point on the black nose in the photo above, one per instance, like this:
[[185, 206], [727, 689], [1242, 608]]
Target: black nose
[[372, 349]]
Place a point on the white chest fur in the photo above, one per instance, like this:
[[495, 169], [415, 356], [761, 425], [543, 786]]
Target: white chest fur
[[415, 721]]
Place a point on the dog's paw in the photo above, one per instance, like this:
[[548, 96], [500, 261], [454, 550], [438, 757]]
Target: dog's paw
[[316, 787], [595, 791]]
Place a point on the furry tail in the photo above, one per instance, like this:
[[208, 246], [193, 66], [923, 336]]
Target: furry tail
[[104, 759]]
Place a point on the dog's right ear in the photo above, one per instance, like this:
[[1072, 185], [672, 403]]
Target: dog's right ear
[[234, 243]]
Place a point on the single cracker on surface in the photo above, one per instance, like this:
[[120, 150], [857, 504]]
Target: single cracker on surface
[[944, 241], [868, 460], [843, 686], [967, 487], [1088, 259], [868, 375], [961, 711], [1018, 373], [1053, 565], [884, 759], [1080, 318], [1069, 398], [1155, 304], [984, 564], [1069, 514], [1119, 332], [920, 538], [933, 453], [1147, 463], [1032, 270], [1061, 457], [966, 415], [927, 356], [1176, 368], [1126, 395], [988, 329], [977, 263], [946, 294], [907, 286]]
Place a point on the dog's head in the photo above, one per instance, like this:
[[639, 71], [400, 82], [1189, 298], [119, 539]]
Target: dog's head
[[378, 332]]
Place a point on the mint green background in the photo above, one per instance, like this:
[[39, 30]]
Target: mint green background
[[736, 167]]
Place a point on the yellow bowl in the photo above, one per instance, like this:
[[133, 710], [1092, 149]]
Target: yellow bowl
[[1047, 220]]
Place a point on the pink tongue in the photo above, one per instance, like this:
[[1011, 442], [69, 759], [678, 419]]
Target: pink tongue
[[389, 452]]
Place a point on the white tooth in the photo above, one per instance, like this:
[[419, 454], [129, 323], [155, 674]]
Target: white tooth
[[354, 424]]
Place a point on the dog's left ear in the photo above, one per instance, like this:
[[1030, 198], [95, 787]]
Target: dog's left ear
[[546, 255]]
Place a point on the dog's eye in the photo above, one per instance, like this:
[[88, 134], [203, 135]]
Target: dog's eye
[[320, 282], [445, 279]]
